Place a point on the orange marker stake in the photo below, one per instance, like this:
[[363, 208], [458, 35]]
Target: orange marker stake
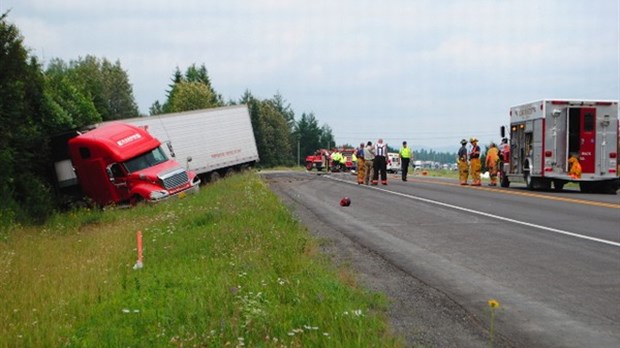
[[139, 264]]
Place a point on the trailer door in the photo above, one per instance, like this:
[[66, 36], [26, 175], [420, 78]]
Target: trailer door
[[582, 136]]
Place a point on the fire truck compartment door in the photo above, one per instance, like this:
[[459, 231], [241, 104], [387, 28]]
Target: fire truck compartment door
[[587, 139]]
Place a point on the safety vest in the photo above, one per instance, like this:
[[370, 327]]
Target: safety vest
[[405, 152]]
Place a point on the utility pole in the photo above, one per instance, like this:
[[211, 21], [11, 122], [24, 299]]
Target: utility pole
[[298, 151]]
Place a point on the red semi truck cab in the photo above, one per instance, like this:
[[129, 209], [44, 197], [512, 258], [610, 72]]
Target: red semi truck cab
[[119, 163]]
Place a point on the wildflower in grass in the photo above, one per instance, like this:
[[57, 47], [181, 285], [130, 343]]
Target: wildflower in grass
[[493, 305]]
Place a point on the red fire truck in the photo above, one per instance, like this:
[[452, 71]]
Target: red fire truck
[[545, 134], [322, 157], [118, 163]]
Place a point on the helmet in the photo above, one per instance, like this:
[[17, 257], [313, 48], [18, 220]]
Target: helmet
[[345, 201], [464, 142], [473, 140]]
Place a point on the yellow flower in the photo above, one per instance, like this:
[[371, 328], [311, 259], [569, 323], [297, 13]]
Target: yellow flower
[[493, 303]]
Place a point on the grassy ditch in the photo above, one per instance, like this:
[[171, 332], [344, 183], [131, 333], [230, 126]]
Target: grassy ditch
[[226, 267]]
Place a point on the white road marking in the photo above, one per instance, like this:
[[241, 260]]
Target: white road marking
[[493, 216]]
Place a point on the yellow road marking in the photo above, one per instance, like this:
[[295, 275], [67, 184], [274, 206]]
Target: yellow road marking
[[527, 194]]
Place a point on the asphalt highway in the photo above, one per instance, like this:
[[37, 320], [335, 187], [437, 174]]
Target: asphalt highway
[[551, 259]]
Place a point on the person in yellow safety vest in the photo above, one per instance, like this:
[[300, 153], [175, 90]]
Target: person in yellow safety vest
[[474, 162], [343, 162], [359, 155], [335, 157], [405, 155], [492, 163], [574, 167], [462, 162]]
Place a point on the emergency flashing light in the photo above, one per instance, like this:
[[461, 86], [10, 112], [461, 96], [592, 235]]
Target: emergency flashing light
[[613, 155], [548, 169], [548, 153]]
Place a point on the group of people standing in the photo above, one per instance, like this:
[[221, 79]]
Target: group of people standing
[[469, 163], [372, 162]]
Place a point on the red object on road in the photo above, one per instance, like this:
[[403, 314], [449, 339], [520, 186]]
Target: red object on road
[[345, 202]]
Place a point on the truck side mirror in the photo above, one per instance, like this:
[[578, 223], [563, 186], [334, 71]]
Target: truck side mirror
[[502, 131], [189, 159]]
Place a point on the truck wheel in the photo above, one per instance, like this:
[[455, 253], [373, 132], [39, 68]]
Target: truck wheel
[[309, 166], [529, 182], [586, 187], [504, 182], [215, 176], [135, 200]]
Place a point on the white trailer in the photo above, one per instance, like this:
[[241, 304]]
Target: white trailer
[[211, 142], [544, 134]]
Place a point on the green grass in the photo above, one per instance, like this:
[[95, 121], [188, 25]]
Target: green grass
[[227, 266]]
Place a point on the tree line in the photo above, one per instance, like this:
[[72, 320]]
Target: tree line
[[37, 102]]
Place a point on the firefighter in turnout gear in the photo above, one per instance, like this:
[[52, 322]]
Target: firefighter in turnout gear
[[380, 163], [575, 167], [359, 154], [474, 162], [369, 159], [462, 162], [492, 162]]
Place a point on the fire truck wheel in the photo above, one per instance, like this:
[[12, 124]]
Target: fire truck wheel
[[528, 180], [215, 176], [504, 182], [309, 166], [586, 187]]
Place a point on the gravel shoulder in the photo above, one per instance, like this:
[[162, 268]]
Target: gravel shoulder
[[422, 315]]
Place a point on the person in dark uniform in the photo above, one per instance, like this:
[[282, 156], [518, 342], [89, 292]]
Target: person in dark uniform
[[380, 163]]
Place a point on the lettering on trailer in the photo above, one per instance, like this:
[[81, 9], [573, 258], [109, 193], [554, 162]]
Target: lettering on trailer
[[226, 154], [128, 139], [526, 111]]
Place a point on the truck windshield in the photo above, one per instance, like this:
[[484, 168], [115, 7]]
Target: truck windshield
[[146, 160]]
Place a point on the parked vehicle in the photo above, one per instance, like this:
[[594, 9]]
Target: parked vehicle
[[118, 163], [211, 142], [322, 157], [545, 134], [319, 160], [393, 162]]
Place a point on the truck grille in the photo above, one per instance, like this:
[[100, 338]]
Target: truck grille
[[175, 179]]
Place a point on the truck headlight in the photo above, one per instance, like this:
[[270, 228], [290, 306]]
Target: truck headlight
[[157, 195]]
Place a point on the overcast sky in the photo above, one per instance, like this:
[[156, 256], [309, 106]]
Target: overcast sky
[[429, 72]]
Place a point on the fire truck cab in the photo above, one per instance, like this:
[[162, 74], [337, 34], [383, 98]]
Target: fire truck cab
[[545, 134]]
